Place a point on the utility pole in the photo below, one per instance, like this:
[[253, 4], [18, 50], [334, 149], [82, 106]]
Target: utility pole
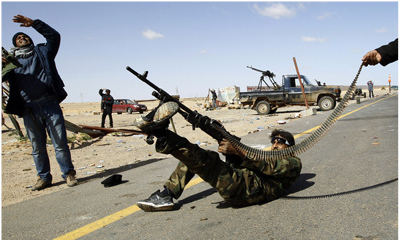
[[301, 84]]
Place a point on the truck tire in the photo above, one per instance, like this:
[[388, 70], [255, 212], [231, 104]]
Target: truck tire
[[263, 107], [326, 103]]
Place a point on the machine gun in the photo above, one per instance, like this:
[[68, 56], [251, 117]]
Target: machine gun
[[210, 126], [12, 62], [268, 74]]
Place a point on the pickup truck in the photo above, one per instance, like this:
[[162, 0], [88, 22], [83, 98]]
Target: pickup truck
[[267, 102]]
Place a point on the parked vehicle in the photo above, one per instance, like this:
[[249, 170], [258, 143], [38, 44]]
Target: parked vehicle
[[129, 106], [290, 93], [359, 92]]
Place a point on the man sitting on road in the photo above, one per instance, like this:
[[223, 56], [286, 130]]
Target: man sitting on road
[[240, 181]]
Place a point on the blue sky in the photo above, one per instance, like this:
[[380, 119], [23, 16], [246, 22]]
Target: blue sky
[[189, 47]]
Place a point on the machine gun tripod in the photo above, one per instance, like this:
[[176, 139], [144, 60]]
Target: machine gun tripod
[[268, 74]]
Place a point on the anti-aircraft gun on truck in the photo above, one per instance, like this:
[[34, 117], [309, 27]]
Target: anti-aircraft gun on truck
[[290, 93], [268, 74]]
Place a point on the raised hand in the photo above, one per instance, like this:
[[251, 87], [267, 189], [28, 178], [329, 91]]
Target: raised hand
[[25, 21]]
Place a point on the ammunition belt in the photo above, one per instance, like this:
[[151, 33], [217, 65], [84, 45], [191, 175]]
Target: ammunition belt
[[306, 144]]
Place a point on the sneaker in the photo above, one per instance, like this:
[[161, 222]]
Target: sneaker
[[158, 118], [40, 184], [71, 180], [156, 202]]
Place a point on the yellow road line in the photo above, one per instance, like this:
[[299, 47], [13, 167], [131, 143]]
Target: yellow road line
[[80, 232], [91, 227], [344, 115]]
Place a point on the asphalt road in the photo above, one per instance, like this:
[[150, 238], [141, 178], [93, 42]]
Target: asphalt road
[[348, 189]]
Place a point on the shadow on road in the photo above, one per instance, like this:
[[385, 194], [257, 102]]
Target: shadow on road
[[196, 197], [112, 171], [342, 193], [301, 184]]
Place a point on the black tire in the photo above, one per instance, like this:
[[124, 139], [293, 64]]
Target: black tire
[[129, 110], [263, 108], [326, 103], [365, 95]]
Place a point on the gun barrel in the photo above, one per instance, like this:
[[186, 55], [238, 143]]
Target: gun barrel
[[143, 78], [255, 69], [159, 94]]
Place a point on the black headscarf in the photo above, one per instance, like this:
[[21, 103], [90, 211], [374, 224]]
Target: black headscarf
[[14, 39]]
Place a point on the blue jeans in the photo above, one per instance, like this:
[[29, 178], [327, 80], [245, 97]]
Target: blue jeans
[[371, 91], [42, 116]]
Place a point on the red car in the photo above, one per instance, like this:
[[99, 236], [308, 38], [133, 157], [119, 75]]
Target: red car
[[129, 106]]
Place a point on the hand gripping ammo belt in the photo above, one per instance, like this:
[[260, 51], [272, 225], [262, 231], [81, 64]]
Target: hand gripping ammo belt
[[310, 141]]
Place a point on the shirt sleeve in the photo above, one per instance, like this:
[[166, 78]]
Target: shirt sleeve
[[389, 52]]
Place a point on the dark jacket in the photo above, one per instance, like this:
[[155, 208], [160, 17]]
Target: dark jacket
[[107, 102], [46, 52], [389, 52]]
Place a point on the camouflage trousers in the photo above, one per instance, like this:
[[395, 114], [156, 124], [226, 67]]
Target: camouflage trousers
[[238, 186]]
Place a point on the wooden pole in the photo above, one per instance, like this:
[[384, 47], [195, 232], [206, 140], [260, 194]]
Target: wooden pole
[[301, 84]]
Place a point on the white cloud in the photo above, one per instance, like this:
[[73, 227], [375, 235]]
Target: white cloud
[[275, 10], [150, 34], [203, 51], [382, 30], [313, 39], [325, 15]]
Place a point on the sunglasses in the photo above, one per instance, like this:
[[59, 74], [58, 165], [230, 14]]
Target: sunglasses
[[279, 140]]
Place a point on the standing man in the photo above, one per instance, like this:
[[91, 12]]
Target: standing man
[[214, 98], [107, 102], [36, 89], [370, 89]]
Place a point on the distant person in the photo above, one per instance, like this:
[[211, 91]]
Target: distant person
[[214, 98], [107, 102], [36, 90], [384, 55], [240, 180], [324, 85], [370, 89]]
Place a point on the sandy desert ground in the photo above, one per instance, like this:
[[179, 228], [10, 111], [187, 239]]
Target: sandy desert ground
[[92, 159]]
